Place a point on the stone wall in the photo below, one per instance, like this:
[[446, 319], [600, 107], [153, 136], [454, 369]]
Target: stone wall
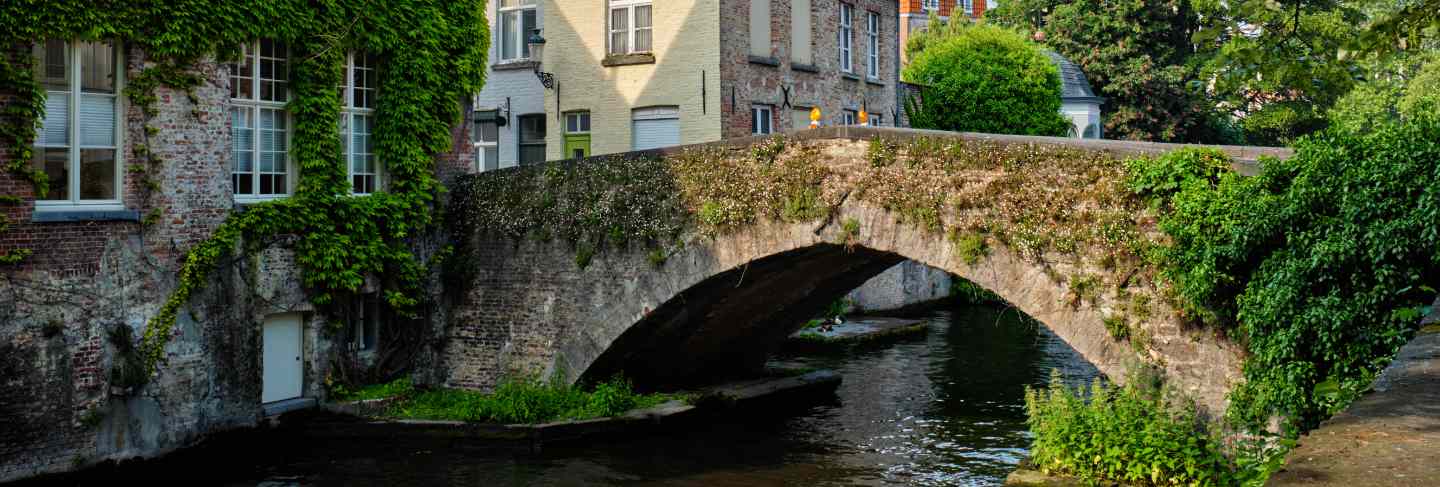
[[90, 275], [720, 303], [906, 284]]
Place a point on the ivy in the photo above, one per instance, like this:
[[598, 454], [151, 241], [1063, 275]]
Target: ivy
[[1321, 265], [432, 54]]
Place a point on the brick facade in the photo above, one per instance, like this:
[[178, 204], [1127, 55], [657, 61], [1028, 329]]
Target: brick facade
[[914, 17], [774, 82]]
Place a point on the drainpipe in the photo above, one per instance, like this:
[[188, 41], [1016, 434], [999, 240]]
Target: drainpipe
[[899, 106]]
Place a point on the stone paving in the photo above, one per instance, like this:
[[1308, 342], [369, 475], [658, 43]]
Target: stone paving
[[1390, 437]]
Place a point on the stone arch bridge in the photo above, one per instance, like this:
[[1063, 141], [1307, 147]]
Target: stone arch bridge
[[722, 300]]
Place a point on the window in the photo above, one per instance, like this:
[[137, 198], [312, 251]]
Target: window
[[800, 32], [760, 28], [77, 143], [655, 127], [761, 120], [532, 138], [872, 45], [364, 317], [259, 124], [847, 36], [930, 5], [630, 26], [517, 22], [357, 122], [485, 135], [966, 7], [876, 120], [848, 117], [577, 123], [799, 118]]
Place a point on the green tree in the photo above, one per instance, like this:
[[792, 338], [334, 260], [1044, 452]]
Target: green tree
[[1399, 88], [1135, 53], [984, 78]]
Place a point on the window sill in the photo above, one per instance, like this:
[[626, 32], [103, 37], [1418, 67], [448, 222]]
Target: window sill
[[850, 76], [627, 59], [244, 202], [515, 65], [808, 68], [82, 214], [875, 82], [764, 61]]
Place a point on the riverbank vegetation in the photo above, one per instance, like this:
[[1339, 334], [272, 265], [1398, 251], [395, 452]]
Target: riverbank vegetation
[[515, 401]]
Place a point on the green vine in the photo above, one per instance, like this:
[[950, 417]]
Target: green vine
[[432, 54]]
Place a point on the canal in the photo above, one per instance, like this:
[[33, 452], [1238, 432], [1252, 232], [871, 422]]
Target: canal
[[945, 409]]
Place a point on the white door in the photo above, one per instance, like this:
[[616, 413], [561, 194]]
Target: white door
[[655, 127], [280, 358]]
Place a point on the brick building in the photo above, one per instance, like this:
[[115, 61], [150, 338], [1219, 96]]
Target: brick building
[[629, 74], [107, 241]]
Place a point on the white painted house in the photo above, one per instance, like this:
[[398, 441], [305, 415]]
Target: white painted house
[[509, 112], [1077, 100]]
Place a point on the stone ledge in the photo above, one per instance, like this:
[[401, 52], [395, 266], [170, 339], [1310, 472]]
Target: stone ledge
[[524, 64], [82, 215], [764, 61], [627, 59], [808, 68], [849, 76], [874, 82]]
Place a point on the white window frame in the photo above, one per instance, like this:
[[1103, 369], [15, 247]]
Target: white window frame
[[967, 7], [930, 5], [348, 114], [631, 31], [847, 37], [366, 320], [481, 145], [579, 116], [522, 48], [872, 45], [762, 120], [74, 147], [253, 106], [849, 117]]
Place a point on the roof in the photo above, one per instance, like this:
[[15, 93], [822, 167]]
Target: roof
[[1074, 86]]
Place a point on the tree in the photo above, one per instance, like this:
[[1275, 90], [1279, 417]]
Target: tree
[[1400, 90], [984, 78], [1135, 53]]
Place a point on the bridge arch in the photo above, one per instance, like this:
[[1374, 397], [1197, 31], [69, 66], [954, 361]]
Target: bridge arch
[[723, 301]]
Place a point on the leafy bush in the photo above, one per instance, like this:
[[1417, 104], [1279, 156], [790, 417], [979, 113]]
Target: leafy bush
[[528, 401], [1125, 434], [1322, 264], [1159, 179], [983, 78]]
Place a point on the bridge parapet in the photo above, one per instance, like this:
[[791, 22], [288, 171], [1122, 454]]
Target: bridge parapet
[[694, 262]]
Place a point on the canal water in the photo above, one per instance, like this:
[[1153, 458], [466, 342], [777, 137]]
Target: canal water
[[945, 409]]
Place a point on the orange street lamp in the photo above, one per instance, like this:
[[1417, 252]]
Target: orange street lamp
[[864, 118], [815, 117]]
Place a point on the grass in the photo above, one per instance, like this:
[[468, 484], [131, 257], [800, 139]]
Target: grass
[[514, 401], [396, 388]]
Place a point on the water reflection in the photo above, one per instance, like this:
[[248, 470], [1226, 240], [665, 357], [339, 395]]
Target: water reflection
[[946, 409]]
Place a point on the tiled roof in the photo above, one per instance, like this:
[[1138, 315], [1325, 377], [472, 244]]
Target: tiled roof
[[1074, 86]]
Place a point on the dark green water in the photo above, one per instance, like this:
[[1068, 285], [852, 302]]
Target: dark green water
[[946, 409]]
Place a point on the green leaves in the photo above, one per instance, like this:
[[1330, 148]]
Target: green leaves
[[983, 78], [432, 56]]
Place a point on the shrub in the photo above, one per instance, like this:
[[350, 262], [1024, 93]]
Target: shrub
[[1125, 434], [1322, 264], [528, 401], [983, 78]]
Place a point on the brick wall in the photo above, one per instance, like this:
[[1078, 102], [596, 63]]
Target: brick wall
[[746, 82]]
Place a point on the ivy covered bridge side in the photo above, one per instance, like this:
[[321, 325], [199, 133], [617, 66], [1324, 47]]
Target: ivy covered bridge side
[[695, 262]]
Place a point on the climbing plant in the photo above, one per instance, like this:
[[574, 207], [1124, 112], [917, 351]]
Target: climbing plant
[[432, 54]]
